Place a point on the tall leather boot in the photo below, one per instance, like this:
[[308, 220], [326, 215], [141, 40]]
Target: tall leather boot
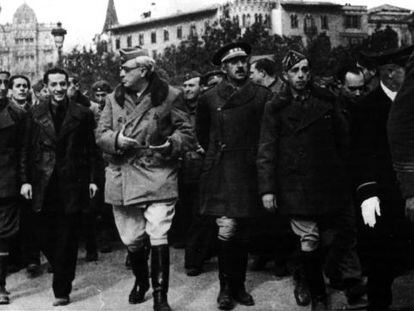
[[160, 269], [240, 258], [301, 292], [139, 265], [4, 294], [225, 264], [313, 271]]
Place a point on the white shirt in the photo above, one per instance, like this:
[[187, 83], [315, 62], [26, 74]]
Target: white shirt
[[388, 92]]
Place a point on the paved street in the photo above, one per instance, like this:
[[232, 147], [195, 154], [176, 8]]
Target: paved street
[[105, 286]]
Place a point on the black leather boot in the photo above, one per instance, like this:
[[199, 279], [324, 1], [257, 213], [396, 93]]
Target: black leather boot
[[4, 294], [301, 291], [239, 258], [160, 269], [225, 261], [313, 271], [139, 265]]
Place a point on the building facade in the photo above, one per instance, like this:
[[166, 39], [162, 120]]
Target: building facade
[[26, 46]]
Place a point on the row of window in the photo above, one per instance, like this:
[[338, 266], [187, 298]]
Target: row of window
[[153, 36], [25, 57], [247, 22], [351, 21], [23, 40]]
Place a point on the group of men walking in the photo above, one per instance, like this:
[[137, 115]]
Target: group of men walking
[[251, 146]]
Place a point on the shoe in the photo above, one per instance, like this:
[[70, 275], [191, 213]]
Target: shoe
[[319, 303], [194, 271], [139, 264], [225, 300], [61, 301], [160, 270], [301, 292], [239, 267], [91, 256], [33, 270]]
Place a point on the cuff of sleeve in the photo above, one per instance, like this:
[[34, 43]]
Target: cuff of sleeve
[[366, 191], [406, 181]]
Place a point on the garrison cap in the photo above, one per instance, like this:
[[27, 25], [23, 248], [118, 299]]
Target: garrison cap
[[397, 56], [101, 86], [291, 58], [132, 53], [191, 75], [231, 50]]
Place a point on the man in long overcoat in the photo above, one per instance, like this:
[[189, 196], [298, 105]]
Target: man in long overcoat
[[62, 149], [13, 171], [228, 126], [300, 165], [143, 130]]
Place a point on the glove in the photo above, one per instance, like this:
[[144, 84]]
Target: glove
[[369, 208]]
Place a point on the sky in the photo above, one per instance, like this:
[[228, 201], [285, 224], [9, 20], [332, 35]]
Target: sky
[[84, 18]]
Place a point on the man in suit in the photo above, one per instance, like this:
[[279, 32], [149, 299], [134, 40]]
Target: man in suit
[[384, 233], [228, 126], [62, 177]]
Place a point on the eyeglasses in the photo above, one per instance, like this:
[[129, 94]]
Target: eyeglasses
[[128, 69]]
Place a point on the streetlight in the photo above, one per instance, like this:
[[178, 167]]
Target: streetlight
[[58, 34]]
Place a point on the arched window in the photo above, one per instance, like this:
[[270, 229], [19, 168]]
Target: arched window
[[256, 18], [260, 18], [244, 20], [248, 20], [293, 21]]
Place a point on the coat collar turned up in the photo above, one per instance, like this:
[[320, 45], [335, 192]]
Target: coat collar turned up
[[235, 98]]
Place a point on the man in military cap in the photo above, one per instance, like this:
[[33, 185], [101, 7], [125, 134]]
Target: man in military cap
[[384, 233], [228, 125], [143, 130], [211, 78], [100, 90], [300, 168]]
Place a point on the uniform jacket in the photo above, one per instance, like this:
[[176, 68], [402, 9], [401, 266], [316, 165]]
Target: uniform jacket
[[228, 127], [301, 154], [14, 135], [144, 175], [401, 132], [71, 153], [374, 174]]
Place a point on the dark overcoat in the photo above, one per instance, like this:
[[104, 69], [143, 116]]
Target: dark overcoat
[[228, 128], [14, 135], [71, 152], [301, 154]]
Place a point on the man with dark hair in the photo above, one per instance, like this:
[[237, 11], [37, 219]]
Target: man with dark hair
[[143, 130], [228, 126], [301, 169], [20, 91], [75, 92], [211, 79], [14, 145], [62, 177], [263, 72]]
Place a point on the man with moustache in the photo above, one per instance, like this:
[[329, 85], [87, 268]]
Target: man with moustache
[[301, 169], [14, 145], [143, 130], [61, 177], [228, 126]]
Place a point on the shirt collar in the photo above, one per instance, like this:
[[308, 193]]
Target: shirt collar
[[390, 94]]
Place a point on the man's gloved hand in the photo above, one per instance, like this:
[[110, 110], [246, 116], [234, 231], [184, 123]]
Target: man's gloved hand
[[26, 191], [165, 148], [124, 142], [369, 208], [269, 202], [409, 209]]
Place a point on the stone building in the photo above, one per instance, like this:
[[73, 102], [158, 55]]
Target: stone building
[[26, 46]]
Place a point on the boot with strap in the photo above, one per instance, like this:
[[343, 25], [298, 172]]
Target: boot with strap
[[225, 299], [139, 265], [313, 272], [160, 269], [239, 258], [4, 294]]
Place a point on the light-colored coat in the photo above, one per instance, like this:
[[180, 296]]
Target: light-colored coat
[[143, 175]]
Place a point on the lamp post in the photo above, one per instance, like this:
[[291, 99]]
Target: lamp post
[[58, 34]]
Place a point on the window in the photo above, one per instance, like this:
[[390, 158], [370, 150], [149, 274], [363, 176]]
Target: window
[[166, 35], [294, 21], [129, 41], [324, 22], [153, 37], [353, 21], [260, 18], [141, 39], [256, 18], [117, 44], [244, 20], [179, 32], [193, 30], [248, 21], [154, 54]]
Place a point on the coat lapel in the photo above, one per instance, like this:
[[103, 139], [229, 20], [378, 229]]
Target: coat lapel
[[235, 98], [44, 118], [71, 120], [5, 118], [136, 112], [318, 109]]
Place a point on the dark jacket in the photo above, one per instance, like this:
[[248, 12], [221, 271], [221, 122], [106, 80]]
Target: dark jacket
[[401, 132], [71, 154], [14, 135], [373, 171], [301, 154], [228, 128]]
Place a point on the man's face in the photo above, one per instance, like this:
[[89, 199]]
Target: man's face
[[20, 89], [354, 86], [131, 73], [100, 96], [57, 87], [299, 75], [191, 88], [4, 85], [392, 76], [255, 75], [236, 68], [73, 87]]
